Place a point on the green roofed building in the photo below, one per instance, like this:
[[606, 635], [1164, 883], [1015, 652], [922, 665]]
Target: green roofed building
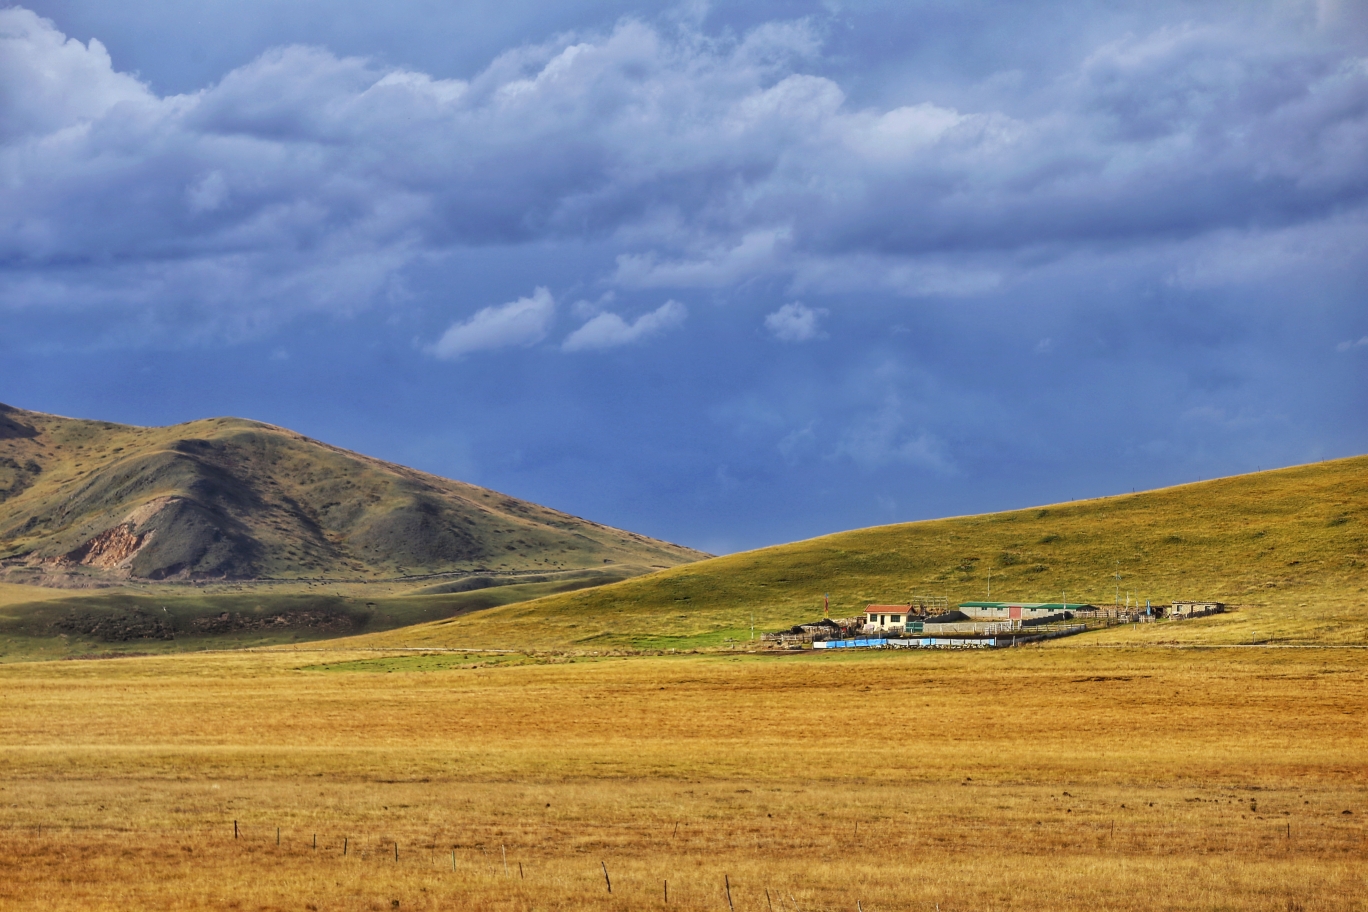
[[1019, 611]]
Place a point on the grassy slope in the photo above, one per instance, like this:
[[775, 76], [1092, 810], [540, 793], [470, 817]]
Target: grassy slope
[[1290, 547]]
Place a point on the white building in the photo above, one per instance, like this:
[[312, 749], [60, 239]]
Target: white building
[[887, 618]]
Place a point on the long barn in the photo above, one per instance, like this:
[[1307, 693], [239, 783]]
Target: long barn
[[1018, 611]]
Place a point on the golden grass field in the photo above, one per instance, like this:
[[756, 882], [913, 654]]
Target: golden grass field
[[1063, 778]]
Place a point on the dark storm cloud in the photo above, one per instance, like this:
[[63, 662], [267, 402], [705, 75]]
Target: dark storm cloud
[[727, 275], [308, 181]]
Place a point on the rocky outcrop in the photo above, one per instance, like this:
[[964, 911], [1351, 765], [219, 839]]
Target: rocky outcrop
[[112, 549]]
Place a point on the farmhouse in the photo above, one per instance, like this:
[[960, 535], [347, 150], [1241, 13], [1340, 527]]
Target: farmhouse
[[888, 617]]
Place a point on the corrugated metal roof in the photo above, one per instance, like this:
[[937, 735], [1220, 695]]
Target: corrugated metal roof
[[1056, 606]]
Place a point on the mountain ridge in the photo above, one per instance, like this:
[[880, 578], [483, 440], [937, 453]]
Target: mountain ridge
[[87, 502]]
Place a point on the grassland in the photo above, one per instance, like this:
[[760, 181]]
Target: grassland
[[1288, 548], [44, 623], [1060, 778]]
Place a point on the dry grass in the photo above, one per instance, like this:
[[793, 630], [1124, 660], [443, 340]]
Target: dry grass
[[1029, 779], [16, 594]]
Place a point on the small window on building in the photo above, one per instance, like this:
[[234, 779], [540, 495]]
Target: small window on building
[[897, 618]]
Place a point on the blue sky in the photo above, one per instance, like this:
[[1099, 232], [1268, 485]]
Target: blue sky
[[728, 276]]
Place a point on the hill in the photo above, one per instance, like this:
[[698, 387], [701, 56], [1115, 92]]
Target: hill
[[86, 502], [228, 532], [1288, 547]]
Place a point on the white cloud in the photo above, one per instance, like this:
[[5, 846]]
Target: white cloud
[[521, 322], [755, 253], [608, 330], [1352, 344], [51, 82], [306, 181], [796, 322]]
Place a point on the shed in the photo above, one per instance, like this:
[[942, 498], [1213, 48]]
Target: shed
[[1195, 609]]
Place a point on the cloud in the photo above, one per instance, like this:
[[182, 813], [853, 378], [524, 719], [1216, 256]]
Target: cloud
[[1352, 344], [755, 253], [608, 330], [797, 443], [53, 82], [881, 438], [585, 309], [796, 322], [521, 322], [304, 181]]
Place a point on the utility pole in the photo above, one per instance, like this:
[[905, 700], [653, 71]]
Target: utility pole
[[990, 584]]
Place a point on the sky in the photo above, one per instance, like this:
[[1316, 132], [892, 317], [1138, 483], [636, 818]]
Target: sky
[[727, 275]]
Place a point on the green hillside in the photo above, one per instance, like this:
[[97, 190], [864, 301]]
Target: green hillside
[[1288, 547]]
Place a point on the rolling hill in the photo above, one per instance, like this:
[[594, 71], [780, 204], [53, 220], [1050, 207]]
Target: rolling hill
[[1288, 547]]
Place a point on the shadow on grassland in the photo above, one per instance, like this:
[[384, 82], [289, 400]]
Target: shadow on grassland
[[113, 622]]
